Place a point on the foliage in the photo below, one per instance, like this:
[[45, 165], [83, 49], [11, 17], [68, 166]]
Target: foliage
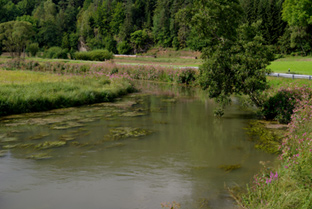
[[15, 36], [281, 105], [187, 76], [56, 53], [170, 23], [237, 67], [289, 185], [140, 41], [124, 48], [269, 12], [298, 14], [96, 55], [33, 49]]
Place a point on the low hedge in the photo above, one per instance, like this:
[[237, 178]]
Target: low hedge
[[96, 55], [56, 52]]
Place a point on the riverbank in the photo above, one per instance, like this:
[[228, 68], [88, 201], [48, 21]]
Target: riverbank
[[25, 91], [288, 185]]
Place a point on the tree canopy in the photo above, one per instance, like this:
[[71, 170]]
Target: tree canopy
[[15, 35], [285, 24]]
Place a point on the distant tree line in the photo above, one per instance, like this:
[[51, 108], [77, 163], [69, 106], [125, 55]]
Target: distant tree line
[[133, 26]]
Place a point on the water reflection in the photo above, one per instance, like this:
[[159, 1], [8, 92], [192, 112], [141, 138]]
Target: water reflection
[[178, 162]]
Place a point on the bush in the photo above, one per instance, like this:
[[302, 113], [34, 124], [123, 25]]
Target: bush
[[33, 49], [124, 48], [281, 105], [56, 53], [96, 55], [187, 76]]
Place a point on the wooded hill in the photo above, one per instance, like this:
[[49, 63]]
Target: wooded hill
[[133, 26]]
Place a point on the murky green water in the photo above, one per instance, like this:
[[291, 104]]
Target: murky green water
[[160, 146]]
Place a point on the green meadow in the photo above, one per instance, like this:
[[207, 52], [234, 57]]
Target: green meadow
[[297, 65]]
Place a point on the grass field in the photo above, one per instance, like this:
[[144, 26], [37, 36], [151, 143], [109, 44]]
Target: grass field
[[297, 65], [27, 77]]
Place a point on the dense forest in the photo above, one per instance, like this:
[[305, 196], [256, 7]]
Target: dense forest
[[133, 26]]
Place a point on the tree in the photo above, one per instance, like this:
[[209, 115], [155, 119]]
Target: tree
[[118, 17], [8, 11], [236, 59], [15, 36], [140, 41], [270, 13], [298, 14]]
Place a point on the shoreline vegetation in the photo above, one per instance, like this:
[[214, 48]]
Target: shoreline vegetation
[[39, 86], [25, 91]]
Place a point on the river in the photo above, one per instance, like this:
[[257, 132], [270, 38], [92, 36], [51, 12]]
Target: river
[[162, 144]]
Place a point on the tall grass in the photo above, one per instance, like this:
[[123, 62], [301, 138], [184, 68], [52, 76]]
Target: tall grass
[[32, 96], [26, 77]]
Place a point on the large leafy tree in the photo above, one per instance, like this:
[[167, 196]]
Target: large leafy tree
[[15, 36], [236, 59]]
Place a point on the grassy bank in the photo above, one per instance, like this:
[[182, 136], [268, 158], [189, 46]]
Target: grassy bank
[[22, 91], [288, 185]]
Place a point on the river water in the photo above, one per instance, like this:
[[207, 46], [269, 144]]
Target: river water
[[160, 145]]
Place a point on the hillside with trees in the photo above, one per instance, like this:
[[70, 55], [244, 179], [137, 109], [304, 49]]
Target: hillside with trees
[[133, 26]]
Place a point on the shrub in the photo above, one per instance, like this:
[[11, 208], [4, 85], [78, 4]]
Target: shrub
[[96, 55], [124, 48], [56, 52], [187, 76], [33, 49], [281, 105]]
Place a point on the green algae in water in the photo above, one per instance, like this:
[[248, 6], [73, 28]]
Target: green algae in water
[[133, 114], [39, 156], [8, 139], [267, 139], [67, 125], [79, 144], [126, 132], [38, 136], [3, 153], [229, 168], [50, 144], [67, 137], [10, 146]]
